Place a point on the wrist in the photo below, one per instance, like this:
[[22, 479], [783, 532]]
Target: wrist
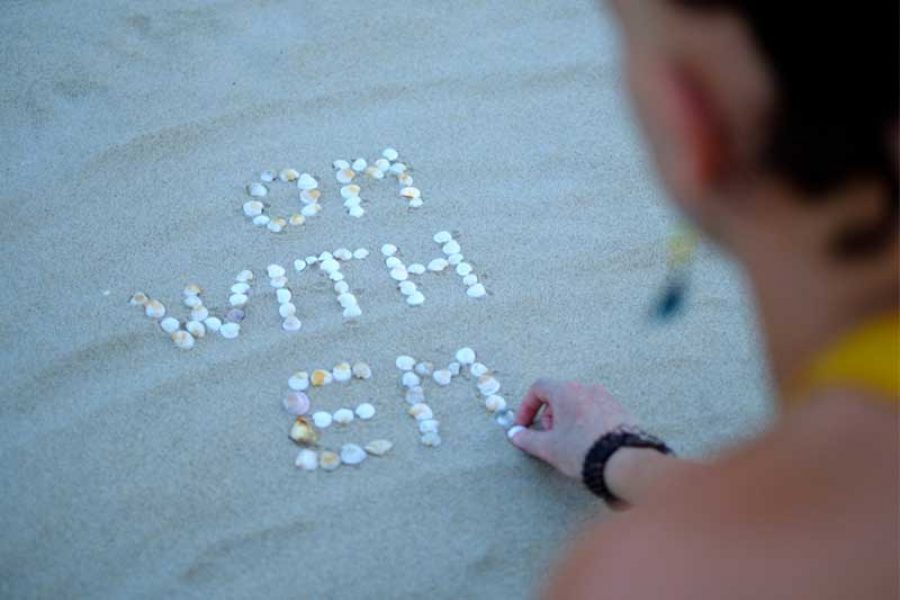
[[631, 471]]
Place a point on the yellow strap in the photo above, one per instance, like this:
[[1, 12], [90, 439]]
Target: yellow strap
[[867, 358]]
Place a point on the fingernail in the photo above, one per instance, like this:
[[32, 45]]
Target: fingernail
[[511, 434]]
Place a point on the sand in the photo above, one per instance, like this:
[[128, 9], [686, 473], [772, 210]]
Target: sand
[[132, 469]]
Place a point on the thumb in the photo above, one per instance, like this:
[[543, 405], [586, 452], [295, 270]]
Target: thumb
[[530, 441]]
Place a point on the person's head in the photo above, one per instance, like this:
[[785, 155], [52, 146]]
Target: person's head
[[772, 123]]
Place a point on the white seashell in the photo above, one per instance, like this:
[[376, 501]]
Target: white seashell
[[399, 274], [416, 268], [365, 411], [268, 176], [362, 370], [416, 203], [383, 164], [487, 385], [431, 439], [410, 379], [505, 418], [494, 403], [429, 425], [322, 419], [442, 377], [257, 190], [405, 363], [360, 253], [356, 211], [238, 300], [405, 179], [342, 372], [465, 356], [437, 265], [389, 250], [311, 260], [307, 459], [213, 324], [343, 416], [299, 265], [345, 175], [229, 331], [336, 276], [424, 368], [240, 288], [183, 340], [341, 287], [511, 433], [274, 270], [442, 237], [463, 269], [283, 295], [421, 412], [261, 220], [350, 191], [196, 329], [291, 323], [359, 164], [399, 169], [451, 247], [310, 196], [351, 454], [307, 182], [476, 291], [340, 164], [470, 279], [253, 208], [299, 381], [329, 265], [329, 461], [287, 309], [287, 175], [343, 254], [390, 154], [455, 259], [276, 225], [244, 276], [478, 369], [352, 312], [379, 447], [392, 262], [297, 219], [407, 288], [374, 172], [410, 192], [155, 309], [325, 256], [199, 313], [320, 377], [310, 210], [415, 299], [139, 299], [347, 300], [454, 368], [170, 325], [278, 282], [415, 395]]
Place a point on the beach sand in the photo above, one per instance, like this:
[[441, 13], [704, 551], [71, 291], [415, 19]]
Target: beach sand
[[133, 469]]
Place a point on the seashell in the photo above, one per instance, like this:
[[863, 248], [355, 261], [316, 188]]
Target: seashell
[[362, 370], [341, 287], [410, 379], [352, 312], [183, 340], [415, 299], [383, 164], [155, 309], [351, 454], [278, 282], [470, 279], [288, 175], [320, 377], [476, 291], [478, 369], [261, 220], [299, 265], [442, 377], [213, 324], [235, 315], [342, 372], [390, 154], [399, 273], [199, 313], [276, 225], [405, 363], [356, 211], [350, 191], [416, 268], [454, 368], [287, 309], [310, 196], [424, 368], [257, 190], [437, 265], [297, 219], [389, 250], [192, 290], [296, 403], [415, 395], [455, 259], [487, 385], [170, 325], [392, 262], [399, 169], [407, 288], [329, 461], [442, 237], [230, 331], [405, 179], [494, 403], [410, 192], [340, 164], [421, 412], [360, 253], [463, 269], [465, 356], [196, 329], [511, 433], [329, 265], [365, 411], [274, 270], [299, 381], [429, 426], [291, 323], [379, 447], [307, 182], [451, 247], [310, 210], [359, 164], [416, 203], [343, 254], [374, 172], [307, 460], [240, 288], [253, 208], [238, 300], [139, 299], [311, 260], [505, 418], [244, 276], [345, 175], [431, 439], [322, 419], [325, 256], [283, 296], [343, 416]]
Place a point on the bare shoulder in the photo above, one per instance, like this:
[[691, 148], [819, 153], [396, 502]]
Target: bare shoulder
[[810, 510]]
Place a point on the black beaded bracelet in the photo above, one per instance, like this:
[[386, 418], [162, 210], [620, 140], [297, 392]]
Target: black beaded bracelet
[[593, 470]]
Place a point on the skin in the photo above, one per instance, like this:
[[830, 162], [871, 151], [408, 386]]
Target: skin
[[810, 509]]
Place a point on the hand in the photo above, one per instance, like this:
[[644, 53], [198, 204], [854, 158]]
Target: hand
[[574, 417]]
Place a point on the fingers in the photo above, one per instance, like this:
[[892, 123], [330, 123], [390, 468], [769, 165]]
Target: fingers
[[533, 442], [541, 392]]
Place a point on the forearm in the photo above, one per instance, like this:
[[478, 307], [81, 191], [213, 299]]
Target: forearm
[[632, 472]]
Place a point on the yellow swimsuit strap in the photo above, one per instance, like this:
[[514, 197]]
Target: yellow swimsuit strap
[[867, 358]]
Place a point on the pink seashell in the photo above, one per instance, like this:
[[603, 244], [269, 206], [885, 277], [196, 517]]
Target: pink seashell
[[296, 403]]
